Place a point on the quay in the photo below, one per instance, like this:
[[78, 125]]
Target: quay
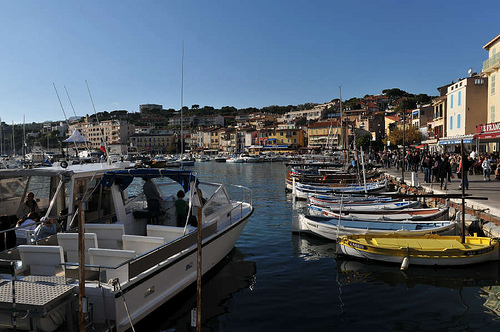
[[487, 211]]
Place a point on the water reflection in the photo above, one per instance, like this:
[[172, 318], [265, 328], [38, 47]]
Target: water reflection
[[356, 271], [231, 275], [311, 248]]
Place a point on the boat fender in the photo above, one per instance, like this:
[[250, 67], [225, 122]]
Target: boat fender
[[64, 164], [405, 263]]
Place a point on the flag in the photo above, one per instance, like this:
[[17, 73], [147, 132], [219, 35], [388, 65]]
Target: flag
[[102, 147]]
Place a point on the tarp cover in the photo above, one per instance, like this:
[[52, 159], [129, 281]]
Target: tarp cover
[[76, 137], [124, 177]]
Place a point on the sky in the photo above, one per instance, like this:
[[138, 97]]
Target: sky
[[237, 53]]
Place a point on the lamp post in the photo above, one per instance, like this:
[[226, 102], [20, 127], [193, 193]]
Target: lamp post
[[404, 150]]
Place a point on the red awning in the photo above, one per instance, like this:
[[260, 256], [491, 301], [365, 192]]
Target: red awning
[[487, 136]]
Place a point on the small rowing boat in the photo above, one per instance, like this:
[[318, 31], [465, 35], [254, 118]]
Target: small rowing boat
[[332, 228], [429, 249]]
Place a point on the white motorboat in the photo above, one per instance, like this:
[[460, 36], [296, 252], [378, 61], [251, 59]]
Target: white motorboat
[[131, 266]]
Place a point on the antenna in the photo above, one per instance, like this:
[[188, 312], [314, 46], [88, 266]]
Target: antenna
[[470, 72]]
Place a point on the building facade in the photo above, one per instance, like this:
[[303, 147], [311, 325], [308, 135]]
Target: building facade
[[107, 132]]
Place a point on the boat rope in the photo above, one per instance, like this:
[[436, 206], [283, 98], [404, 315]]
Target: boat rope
[[105, 308], [117, 282], [338, 224]]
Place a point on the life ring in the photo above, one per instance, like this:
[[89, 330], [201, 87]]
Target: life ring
[[64, 164]]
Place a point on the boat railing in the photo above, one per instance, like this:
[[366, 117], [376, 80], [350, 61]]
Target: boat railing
[[244, 195]]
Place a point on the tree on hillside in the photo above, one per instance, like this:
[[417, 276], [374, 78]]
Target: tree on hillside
[[353, 104], [394, 94], [195, 106]]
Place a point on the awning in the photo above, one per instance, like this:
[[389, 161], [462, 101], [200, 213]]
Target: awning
[[490, 135], [456, 140], [76, 137], [125, 177]]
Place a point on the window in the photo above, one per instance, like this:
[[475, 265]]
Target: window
[[492, 85], [451, 122], [492, 113], [459, 101], [451, 101], [458, 120]]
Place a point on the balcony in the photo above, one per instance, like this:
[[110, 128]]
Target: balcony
[[492, 63]]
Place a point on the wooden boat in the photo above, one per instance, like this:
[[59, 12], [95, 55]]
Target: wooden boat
[[431, 249], [328, 200], [354, 207], [403, 214], [131, 266], [332, 228], [302, 191]]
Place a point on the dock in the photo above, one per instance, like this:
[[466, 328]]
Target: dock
[[488, 211]]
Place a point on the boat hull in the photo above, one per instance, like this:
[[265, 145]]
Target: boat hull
[[153, 288], [332, 229], [432, 250]]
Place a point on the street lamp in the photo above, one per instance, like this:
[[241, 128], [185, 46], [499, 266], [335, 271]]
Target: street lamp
[[404, 150]]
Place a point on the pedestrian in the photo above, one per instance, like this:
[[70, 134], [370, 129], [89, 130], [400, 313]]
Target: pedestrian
[[444, 171], [463, 169], [486, 164], [426, 166]]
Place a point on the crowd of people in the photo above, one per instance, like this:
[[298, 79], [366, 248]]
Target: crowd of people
[[442, 168]]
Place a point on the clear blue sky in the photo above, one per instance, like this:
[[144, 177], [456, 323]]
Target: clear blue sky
[[237, 53]]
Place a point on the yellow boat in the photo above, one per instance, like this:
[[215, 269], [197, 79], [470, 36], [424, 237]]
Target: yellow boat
[[431, 249]]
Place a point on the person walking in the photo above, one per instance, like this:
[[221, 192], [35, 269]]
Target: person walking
[[444, 171], [486, 165], [426, 166], [463, 169]]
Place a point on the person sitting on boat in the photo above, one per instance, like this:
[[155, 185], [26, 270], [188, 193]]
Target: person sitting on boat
[[181, 209], [30, 205], [46, 228], [25, 227], [153, 198]]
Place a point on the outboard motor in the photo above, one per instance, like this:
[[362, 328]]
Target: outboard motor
[[475, 227]]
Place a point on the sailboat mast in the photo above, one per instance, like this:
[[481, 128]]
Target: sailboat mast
[[182, 98], [13, 140], [24, 138], [1, 137]]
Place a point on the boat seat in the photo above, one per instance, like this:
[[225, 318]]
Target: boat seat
[[169, 233], [42, 260], [69, 243], [112, 258], [108, 235], [141, 244]]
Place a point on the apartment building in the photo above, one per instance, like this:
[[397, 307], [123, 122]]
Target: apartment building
[[109, 132]]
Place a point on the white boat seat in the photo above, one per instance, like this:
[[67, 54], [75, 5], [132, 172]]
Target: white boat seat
[[108, 235], [42, 260], [169, 233], [69, 243], [112, 258], [141, 244]]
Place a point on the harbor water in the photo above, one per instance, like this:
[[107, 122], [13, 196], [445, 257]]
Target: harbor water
[[278, 281]]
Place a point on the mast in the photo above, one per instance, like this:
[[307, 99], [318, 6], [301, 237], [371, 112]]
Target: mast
[[13, 140], [24, 138], [100, 127], [1, 137], [182, 99]]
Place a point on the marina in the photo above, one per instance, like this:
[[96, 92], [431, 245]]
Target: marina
[[255, 279]]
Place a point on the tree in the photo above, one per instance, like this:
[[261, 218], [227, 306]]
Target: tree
[[412, 135], [363, 140]]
